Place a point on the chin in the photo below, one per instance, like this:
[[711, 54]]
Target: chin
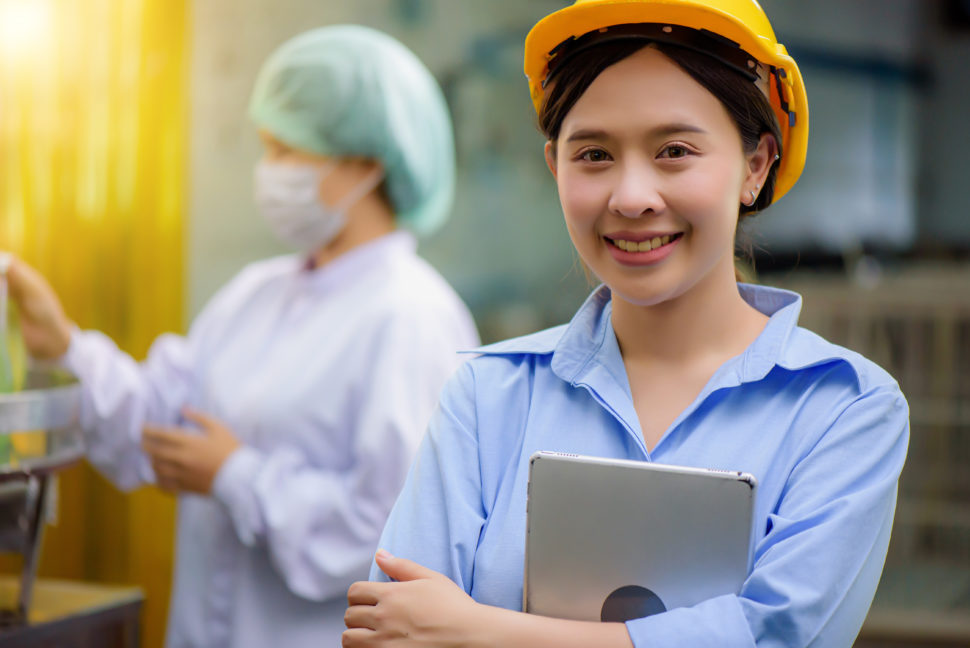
[[645, 295]]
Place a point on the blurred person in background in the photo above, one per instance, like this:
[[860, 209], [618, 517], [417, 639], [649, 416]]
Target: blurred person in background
[[667, 123], [287, 417]]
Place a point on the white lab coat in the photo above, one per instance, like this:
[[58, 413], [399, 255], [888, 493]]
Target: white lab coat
[[328, 377]]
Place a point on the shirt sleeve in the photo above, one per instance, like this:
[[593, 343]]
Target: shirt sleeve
[[119, 395], [321, 526], [817, 567], [439, 515]]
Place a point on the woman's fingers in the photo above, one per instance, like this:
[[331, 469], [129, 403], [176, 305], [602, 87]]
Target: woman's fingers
[[30, 290], [402, 569], [358, 638], [45, 328], [364, 593], [21, 277], [161, 444], [164, 451], [167, 475], [200, 418], [361, 616]]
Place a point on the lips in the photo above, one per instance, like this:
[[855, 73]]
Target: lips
[[642, 249]]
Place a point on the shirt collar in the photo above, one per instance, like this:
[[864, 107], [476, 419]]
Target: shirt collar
[[588, 341], [782, 308], [355, 262], [590, 337]]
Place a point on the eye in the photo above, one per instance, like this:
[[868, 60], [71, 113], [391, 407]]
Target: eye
[[594, 155], [675, 152]]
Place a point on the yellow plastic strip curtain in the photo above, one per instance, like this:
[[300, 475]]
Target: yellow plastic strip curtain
[[92, 156], [93, 132]]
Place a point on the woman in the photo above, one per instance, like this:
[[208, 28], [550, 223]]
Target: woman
[[287, 417], [661, 120]]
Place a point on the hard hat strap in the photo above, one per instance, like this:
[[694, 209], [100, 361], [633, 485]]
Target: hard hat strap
[[779, 74]]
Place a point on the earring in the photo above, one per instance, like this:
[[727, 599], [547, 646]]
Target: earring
[[777, 157], [754, 199]]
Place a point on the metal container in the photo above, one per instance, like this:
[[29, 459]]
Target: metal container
[[39, 435]]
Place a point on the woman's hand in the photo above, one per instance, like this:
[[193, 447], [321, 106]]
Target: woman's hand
[[185, 460], [43, 324], [424, 608]]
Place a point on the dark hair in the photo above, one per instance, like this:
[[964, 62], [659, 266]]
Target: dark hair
[[742, 99]]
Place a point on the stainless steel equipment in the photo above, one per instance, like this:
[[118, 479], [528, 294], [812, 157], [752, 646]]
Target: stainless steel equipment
[[39, 435]]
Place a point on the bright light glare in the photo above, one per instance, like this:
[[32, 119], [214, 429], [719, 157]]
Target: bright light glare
[[24, 26]]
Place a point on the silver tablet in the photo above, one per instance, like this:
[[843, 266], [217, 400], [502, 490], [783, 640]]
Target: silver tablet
[[612, 540]]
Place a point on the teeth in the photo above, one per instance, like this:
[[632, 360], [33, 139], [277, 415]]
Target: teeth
[[642, 246]]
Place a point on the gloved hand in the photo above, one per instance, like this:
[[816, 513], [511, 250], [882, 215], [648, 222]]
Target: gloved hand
[[45, 328]]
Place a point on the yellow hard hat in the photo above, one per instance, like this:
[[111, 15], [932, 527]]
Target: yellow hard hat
[[734, 31]]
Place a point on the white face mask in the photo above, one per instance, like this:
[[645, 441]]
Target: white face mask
[[288, 197]]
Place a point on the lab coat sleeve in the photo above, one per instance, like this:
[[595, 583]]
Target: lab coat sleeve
[[817, 567], [119, 395], [439, 515], [321, 526]]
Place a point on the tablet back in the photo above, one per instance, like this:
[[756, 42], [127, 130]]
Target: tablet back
[[611, 539]]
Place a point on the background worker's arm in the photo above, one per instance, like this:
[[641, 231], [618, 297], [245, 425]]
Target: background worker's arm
[[45, 328], [119, 394]]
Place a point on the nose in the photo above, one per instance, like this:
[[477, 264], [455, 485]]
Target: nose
[[636, 192]]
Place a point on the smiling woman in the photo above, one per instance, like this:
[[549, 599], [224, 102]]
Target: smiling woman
[[667, 121]]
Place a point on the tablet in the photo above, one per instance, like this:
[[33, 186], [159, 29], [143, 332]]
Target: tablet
[[613, 539]]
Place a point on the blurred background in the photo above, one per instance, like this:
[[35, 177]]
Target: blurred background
[[125, 175]]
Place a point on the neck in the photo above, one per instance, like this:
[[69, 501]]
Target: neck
[[370, 218], [709, 322]]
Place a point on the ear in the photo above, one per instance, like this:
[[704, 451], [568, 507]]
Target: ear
[[759, 164], [550, 151]]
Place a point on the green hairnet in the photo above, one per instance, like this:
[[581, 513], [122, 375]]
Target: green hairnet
[[348, 90]]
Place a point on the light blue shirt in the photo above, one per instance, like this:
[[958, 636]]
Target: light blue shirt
[[823, 430], [328, 377]]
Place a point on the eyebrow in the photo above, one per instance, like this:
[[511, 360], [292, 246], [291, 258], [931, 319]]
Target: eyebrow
[[660, 131]]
